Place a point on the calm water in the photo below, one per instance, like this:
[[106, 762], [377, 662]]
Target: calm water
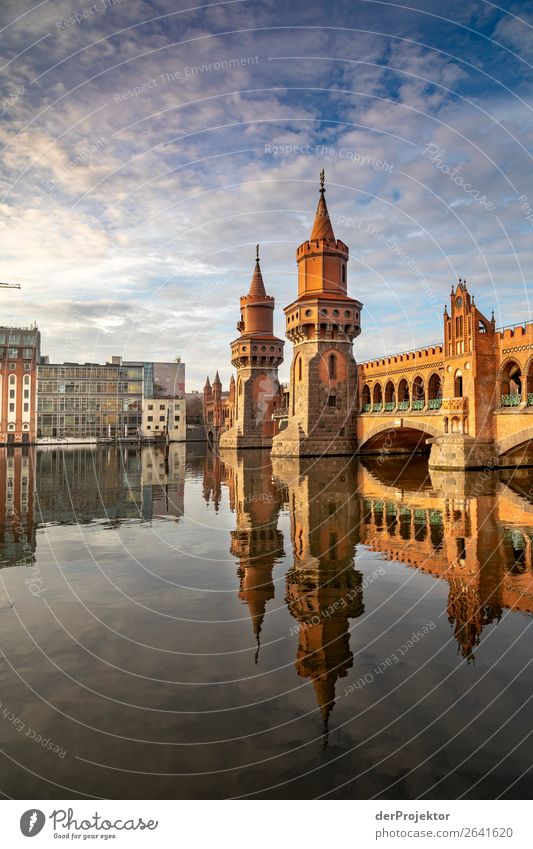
[[226, 626]]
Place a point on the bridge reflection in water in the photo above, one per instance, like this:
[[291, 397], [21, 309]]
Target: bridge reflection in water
[[473, 530], [319, 518]]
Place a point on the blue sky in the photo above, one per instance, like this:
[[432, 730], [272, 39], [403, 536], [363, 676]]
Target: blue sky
[[148, 146]]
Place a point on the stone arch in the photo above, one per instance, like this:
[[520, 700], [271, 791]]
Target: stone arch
[[365, 395], [510, 377], [390, 392], [515, 440], [407, 424], [377, 394], [434, 386], [403, 391], [418, 392]]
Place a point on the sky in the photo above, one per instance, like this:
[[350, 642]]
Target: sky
[[148, 146]]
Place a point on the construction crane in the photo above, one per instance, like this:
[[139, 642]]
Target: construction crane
[[9, 285]]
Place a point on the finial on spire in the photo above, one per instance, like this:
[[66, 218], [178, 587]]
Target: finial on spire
[[257, 253], [322, 178]]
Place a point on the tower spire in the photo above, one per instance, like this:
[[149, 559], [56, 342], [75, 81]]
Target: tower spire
[[257, 287], [322, 228]]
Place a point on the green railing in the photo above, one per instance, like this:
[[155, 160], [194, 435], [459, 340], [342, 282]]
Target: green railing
[[435, 403], [377, 408], [418, 405], [403, 405], [511, 400], [389, 406], [530, 399], [367, 408]]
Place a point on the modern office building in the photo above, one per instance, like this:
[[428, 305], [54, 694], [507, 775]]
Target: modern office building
[[89, 401], [19, 352], [93, 402]]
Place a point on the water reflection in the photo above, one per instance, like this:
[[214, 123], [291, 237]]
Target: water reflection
[[262, 575], [323, 589]]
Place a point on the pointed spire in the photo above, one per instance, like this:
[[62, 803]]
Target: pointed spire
[[217, 380], [257, 287], [207, 384], [232, 379], [322, 228]]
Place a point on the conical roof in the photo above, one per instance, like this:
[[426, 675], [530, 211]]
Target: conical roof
[[257, 287], [322, 228]]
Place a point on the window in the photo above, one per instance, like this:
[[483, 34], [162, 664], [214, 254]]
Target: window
[[11, 393], [26, 408], [177, 418], [161, 418], [27, 353], [332, 366], [150, 406], [15, 338], [150, 418], [12, 352], [161, 406], [27, 366], [11, 408], [27, 340], [12, 366], [332, 401], [148, 427], [344, 274]]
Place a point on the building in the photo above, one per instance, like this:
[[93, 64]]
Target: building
[[20, 352], [256, 354], [164, 402], [164, 417], [96, 402], [467, 401], [89, 401]]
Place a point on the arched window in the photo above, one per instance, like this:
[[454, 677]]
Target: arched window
[[299, 368], [332, 367], [419, 397], [403, 394], [434, 387], [458, 384], [344, 273], [366, 398], [511, 385], [377, 397], [390, 395]]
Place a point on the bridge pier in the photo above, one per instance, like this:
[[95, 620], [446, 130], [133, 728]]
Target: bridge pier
[[460, 451]]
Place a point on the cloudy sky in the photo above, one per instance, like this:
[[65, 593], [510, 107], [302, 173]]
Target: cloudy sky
[[148, 146]]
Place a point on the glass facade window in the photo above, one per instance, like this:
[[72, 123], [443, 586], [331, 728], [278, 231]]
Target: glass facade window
[[12, 352], [27, 353], [14, 338]]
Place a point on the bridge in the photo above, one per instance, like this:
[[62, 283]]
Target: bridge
[[468, 400]]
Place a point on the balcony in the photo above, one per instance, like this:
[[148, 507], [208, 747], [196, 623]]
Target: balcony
[[454, 405], [418, 405], [435, 403], [513, 400], [389, 406], [403, 405], [367, 408], [377, 408]]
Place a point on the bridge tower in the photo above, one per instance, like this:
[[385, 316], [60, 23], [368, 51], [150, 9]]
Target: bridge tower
[[321, 323], [256, 354], [468, 387]]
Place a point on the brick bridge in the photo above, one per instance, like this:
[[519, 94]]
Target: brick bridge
[[469, 398]]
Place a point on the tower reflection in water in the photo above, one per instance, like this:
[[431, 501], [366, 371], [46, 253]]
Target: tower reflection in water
[[323, 588], [473, 530], [256, 540]]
